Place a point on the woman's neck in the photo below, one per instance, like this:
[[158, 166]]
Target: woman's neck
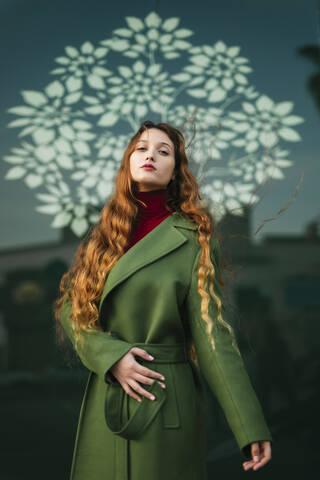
[[149, 216], [155, 201]]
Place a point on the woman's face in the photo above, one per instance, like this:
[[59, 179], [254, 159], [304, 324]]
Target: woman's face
[[153, 147]]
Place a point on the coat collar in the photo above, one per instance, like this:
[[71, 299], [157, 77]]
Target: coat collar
[[161, 240]]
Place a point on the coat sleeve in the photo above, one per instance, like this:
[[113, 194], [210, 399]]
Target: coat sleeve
[[223, 368], [100, 350]]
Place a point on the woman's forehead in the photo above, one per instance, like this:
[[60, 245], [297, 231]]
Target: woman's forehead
[[157, 135]]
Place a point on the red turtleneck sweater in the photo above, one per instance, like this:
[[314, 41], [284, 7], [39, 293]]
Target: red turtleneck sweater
[[149, 216]]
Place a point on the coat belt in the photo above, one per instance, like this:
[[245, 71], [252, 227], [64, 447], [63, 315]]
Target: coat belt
[[147, 409]]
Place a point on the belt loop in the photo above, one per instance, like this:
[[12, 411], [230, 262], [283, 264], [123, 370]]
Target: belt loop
[[170, 411]]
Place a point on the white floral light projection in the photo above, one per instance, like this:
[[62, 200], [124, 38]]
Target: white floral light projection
[[69, 148]]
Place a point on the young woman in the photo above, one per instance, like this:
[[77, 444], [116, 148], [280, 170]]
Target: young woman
[[143, 307]]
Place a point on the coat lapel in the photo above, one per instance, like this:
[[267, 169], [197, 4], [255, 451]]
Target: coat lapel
[[161, 240]]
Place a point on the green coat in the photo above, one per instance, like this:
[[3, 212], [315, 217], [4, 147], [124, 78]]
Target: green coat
[[151, 300]]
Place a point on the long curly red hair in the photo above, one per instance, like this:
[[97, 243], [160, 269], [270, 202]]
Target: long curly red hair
[[97, 254]]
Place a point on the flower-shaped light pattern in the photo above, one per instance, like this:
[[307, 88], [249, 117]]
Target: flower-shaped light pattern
[[135, 92], [44, 110], [145, 37], [110, 146], [220, 67], [97, 175], [247, 91], [271, 166], [197, 123], [34, 164], [262, 123], [66, 144], [45, 114], [191, 116], [86, 63], [228, 197], [59, 203]]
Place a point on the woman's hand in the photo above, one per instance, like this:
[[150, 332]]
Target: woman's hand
[[129, 372], [261, 454]]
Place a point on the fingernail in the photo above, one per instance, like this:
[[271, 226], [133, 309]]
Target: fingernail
[[162, 378], [152, 397], [151, 357], [256, 459]]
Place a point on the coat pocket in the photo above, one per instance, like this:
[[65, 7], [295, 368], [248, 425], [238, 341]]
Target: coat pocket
[[116, 412]]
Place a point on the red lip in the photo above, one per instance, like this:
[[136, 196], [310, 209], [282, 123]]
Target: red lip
[[148, 166]]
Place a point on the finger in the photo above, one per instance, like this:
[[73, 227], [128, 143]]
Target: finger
[[141, 353], [248, 464], [163, 385], [265, 455], [147, 380], [264, 458], [256, 465], [143, 379], [149, 373], [255, 451], [260, 464], [131, 393], [266, 448], [135, 385]]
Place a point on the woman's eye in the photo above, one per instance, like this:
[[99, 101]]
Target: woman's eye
[[161, 151]]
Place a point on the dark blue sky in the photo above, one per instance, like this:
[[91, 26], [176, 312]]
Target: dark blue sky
[[33, 33]]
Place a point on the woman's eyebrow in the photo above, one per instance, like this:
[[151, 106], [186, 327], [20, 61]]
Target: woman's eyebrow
[[160, 143]]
